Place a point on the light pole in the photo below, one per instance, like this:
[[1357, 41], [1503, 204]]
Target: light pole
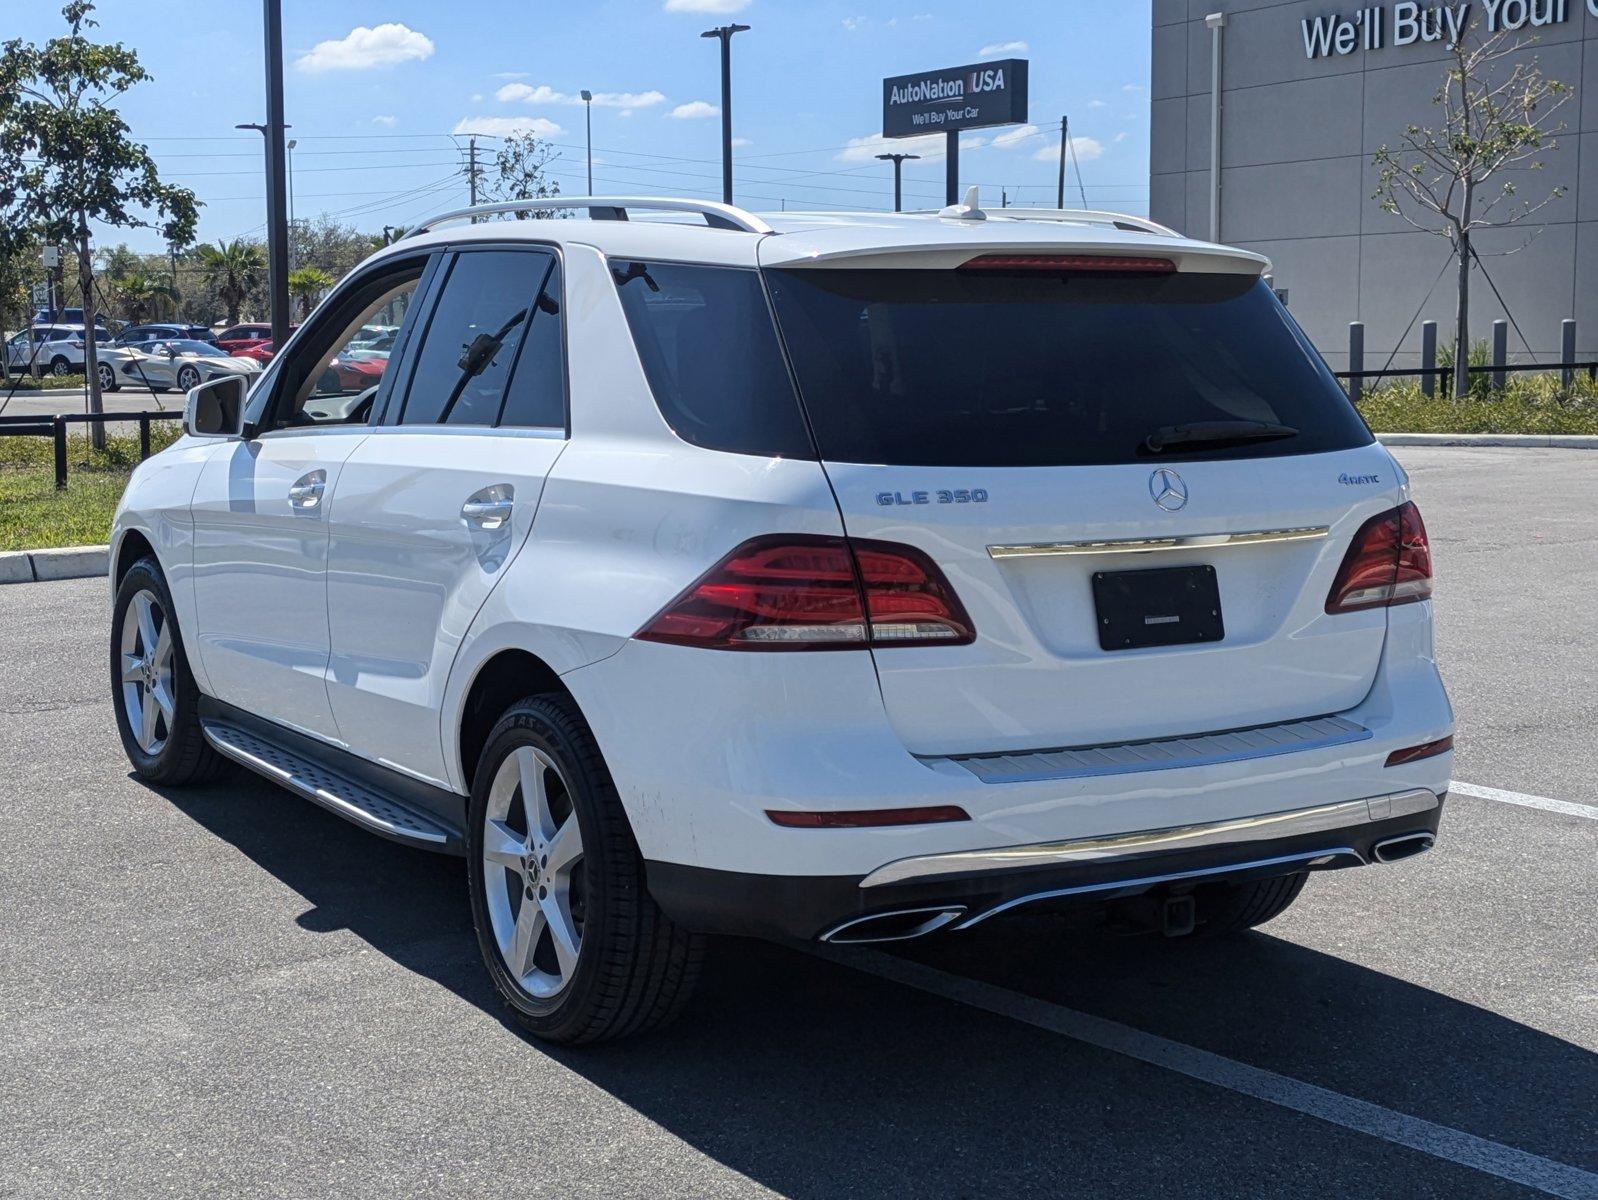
[[588, 120], [293, 142], [277, 234], [724, 34], [898, 162]]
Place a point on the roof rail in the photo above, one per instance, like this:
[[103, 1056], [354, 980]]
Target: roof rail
[[1085, 216], [607, 208]]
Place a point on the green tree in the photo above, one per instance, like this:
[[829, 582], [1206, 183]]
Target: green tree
[[141, 295], [68, 158], [1458, 176], [522, 173], [234, 269], [307, 285]]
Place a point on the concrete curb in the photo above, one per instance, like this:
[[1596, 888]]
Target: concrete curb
[[71, 562], [1535, 441]]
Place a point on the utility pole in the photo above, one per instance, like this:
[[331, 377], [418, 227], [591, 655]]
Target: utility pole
[[951, 168], [724, 33], [1065, 142], [292, 143], [277, 234], [898, 162], [471, 170], [588, 120]]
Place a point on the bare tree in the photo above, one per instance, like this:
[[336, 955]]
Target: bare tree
[[522, 173], [1458, 176]]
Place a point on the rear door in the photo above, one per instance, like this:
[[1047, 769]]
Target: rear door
[[1006, 423], [429, 512]]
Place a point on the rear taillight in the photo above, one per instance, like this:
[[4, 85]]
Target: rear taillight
[[1389, 562], [1099, 264], [798, 592]]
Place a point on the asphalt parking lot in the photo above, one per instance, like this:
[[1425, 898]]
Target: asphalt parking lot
[[230, 991]]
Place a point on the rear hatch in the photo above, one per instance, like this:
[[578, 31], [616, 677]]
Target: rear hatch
[[1027, 422]]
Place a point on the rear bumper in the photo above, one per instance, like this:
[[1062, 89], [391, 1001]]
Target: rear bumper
[[916, 896]]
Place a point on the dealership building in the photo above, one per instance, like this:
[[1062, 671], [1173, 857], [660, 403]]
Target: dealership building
[[1308, 92]]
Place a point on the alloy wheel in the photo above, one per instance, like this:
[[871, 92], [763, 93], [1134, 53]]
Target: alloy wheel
[[148, 692], [107, 379], [188, 379], [532, 872], [60, 366]]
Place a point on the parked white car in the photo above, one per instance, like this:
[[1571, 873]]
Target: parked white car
[[839, 577], [47, 348], [180, 363]]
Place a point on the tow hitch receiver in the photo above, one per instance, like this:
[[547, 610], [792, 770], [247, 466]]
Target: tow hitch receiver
[[1177, 916]]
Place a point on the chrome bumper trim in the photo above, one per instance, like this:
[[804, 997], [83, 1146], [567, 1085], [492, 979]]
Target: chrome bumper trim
[[1195, 541], [1242, 830]]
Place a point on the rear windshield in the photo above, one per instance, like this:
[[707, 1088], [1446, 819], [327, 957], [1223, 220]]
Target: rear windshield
[[950, 368]]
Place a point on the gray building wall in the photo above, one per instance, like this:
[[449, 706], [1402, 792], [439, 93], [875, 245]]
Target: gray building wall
[[1297, 136]]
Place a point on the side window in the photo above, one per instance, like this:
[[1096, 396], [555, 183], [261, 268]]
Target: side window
[[473, 337], [709, 348], [325, 380], [536, 398]]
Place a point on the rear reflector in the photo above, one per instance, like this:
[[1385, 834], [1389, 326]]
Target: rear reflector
[[1389, 562], [1425, 750], [867, 818], [1057, 263], [802, 592]]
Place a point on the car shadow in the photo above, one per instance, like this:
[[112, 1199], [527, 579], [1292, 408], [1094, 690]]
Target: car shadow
[[815, 1080]]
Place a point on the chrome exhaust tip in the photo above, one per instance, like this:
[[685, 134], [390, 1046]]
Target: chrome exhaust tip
[[1406, 845], [898, 926]]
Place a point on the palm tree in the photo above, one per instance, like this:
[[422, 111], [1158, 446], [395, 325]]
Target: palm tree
[[234, 269], [307, 285], [140, 294]]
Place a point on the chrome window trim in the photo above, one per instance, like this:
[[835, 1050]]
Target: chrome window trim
[[1196, 541], [1322, 818]]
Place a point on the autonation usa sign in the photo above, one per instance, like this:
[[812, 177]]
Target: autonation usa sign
[[1407, 23], [992, 93]]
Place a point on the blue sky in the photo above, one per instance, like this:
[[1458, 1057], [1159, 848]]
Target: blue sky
[[382, 95]]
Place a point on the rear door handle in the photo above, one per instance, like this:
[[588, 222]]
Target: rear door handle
[[307, 491], [489, 508]]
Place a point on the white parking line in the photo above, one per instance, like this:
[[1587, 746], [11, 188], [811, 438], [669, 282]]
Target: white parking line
[[1401, 1129], [1567, 807]]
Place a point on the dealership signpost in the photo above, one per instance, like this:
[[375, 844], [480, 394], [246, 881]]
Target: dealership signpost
[[951, 101]]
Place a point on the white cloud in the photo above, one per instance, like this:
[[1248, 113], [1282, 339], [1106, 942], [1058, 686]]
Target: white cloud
[[694, 110], [510, 75], [1098, 104], [973, 141], [997, 48], [544, 94], [507, 127], [864, 149], [1012, 137], [390, 122], [1132, 87], [1119, 138], [706, 6], [853, 23], [740, 142], [362, 49], [1086, 148], [477, 97]]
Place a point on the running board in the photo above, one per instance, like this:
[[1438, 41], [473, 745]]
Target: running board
[[357, 803]]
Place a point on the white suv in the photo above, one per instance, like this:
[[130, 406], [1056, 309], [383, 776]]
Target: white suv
[[830, 577]]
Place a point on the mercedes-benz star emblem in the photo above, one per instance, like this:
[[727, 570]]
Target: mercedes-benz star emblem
[[1168, 490]]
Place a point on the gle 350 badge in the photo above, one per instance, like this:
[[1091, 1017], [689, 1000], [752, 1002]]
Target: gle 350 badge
[[938, 496]]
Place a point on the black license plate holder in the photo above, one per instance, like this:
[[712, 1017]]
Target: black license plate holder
[[1161, 606]]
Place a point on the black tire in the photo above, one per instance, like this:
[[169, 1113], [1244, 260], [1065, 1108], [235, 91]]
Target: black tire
[[635, 969], [60, 366], [108, 378], [1227, 908], [183, 756]]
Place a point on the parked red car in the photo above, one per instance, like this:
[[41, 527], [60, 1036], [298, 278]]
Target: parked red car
[[261, 352], [245, 337]]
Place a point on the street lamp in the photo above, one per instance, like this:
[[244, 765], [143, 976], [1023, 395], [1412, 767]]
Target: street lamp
[[588, 118], [898, 162], [724, 33]]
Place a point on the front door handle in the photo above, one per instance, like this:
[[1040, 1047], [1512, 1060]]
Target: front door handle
[[489, 508], [307, 491]]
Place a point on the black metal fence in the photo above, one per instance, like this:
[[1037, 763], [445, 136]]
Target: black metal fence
[[55, 427], [1429, 372]]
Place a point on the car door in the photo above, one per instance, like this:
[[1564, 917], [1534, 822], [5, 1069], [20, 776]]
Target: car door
[[260, 519], [429, 511]]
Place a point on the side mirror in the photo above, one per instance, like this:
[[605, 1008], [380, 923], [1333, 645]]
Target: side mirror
[[216, 409]]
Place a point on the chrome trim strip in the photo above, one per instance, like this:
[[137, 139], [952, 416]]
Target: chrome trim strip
[[1161, 754], [1346, 814], [1311, 859], [939, 916], [1196, 541]]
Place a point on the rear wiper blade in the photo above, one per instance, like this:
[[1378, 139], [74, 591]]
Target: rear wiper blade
[[1212, 433]]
